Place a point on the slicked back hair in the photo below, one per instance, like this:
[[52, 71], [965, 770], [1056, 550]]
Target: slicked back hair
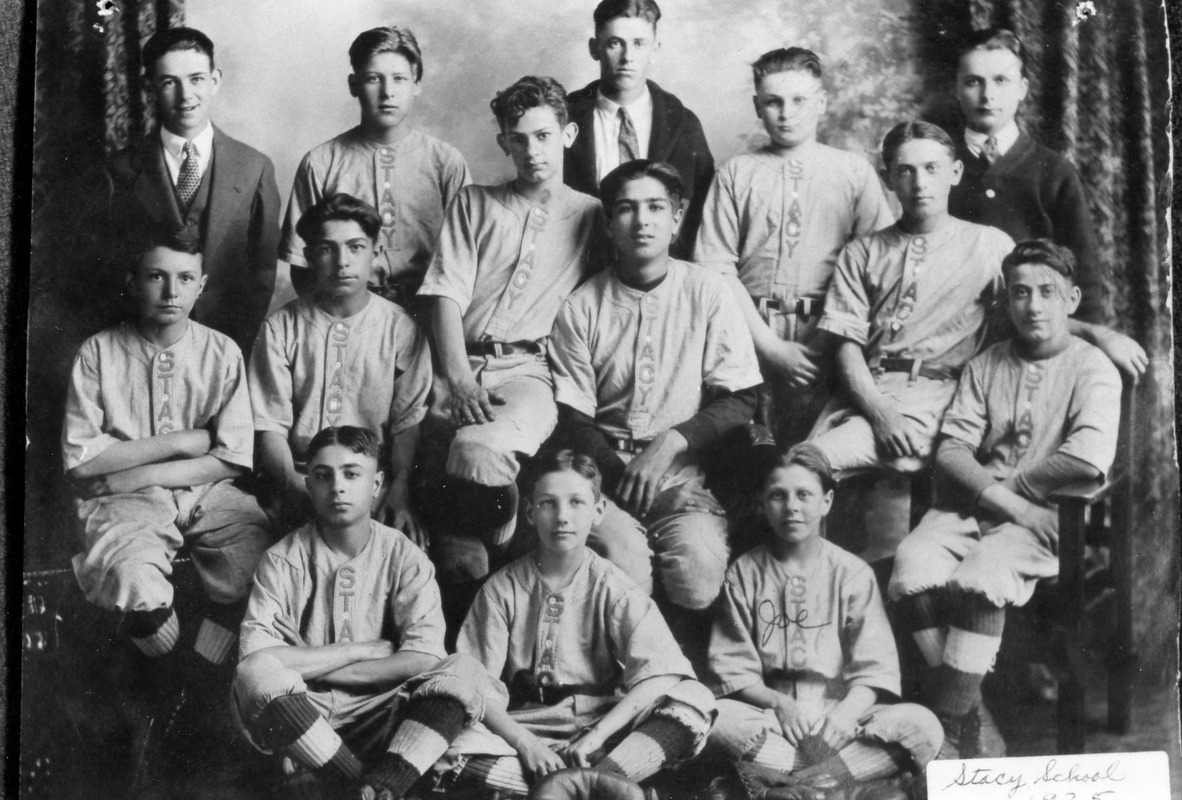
[[909, 131], [810, 457], [565, 460], [993, 39], [362, 441], [339, 206], [171, 40], [1044, 252], [608, 10], [387, 39], [667, 174], [786, 59]]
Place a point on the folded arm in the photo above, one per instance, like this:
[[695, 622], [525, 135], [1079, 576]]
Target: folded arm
[[138, 452]]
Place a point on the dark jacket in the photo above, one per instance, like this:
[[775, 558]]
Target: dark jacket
[[676, 139]]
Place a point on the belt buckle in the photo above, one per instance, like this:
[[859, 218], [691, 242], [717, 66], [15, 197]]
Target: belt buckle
[[806, 307], [916, 364], [498, 349]]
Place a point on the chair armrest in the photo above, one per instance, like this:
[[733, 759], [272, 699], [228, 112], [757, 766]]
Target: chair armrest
[[1086, 492]]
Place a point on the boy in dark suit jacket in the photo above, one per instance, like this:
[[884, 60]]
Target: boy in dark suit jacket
[[189, 174], [624, 116]]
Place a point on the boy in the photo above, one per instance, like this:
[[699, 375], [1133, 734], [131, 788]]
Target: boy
[[339, 355], [776, 219], [191, 174], [342, 641], [157, 427], [507, 257], [624, 116], [803, 653], [644, 392], [1015, 183], [1031, 414], [593, 673], [408, 176]]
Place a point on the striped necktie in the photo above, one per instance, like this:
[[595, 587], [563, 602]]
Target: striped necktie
[[989, 150], [629, 144], [190, 175]]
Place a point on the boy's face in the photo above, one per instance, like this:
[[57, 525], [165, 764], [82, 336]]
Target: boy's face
[[535, 142], [625, 48], [1040, 301], [166, 284], [921, 174], [643, 220], [790, 106], [795, 504], [341, 258], [990, 87], [563, 508], [343, 485], [184, 82], [385, 87]]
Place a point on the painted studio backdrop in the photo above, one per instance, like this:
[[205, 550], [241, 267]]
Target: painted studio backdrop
[[1095, 96]]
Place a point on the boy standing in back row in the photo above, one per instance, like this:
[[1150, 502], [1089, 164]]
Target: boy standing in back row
[[624, 116], [408, 176], [776, 220]]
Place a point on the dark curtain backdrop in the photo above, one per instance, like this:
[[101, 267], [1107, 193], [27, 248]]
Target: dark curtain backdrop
[[1098, 94]]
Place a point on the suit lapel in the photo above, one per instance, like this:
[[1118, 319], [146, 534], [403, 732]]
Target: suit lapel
[[225, 189], [153, 186]]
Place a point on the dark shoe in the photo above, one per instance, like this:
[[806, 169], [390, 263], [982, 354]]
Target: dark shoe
[[962, 735], [886, 789], [992, 743]]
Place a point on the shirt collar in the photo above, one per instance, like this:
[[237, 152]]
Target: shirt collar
[[175, 144], [1005, 139], [642, 104]]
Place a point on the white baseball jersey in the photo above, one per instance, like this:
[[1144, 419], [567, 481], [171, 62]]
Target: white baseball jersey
[[509, 264], [310, 370], [410, 183], [778, 222], [638, 362]]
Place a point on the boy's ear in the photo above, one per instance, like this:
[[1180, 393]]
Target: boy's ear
[[352, 84], [593, 48], [957, 171], [503, 143], [600, 510], [529, 510], [1074, 296], [215, 81], [827, 503], [755, 102], [129, 283], [379, 478], [885, 174], [201, 286], [569, 133]]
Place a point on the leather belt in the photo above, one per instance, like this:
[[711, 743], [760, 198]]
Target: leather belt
[[499, 349], [804, 307], [524, 688], [626, 444], [916, 368]]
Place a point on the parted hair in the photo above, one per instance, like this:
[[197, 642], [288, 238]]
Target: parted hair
[[811, 458], [994, 39], [359, 440], [613, 182], [786, 59], [339, 206], [608, 10], [182, 239], [1041, 251], [532, 91], [909, 131], [172, 39], [387, 39], [565, 460]]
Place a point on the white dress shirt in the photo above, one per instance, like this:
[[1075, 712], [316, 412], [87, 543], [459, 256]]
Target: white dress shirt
[[1005, 139], [174, 150], [607, 130]]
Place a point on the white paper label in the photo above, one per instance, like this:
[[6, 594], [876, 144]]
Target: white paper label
[[1091, 776]]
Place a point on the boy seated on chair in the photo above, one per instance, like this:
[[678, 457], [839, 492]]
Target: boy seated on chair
[[341, 669], [1030, 415]]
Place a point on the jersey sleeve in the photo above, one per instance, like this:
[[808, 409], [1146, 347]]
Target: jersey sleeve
[[453, 177], [847, 303], [452, 273], [644, 644], [1093, 415], [416, 607], [735, 662], [306, 191], [967, 419], [729, 362], [569, 353], [485, 632], [412, 378], [717, 244], [270, 378], [272, 597], [233, 431], [872, 212], [83, 437], [871, 658]]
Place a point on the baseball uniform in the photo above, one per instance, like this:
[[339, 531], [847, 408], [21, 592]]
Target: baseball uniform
[[1014, 413], [811, 634], [410, 183], [124, 388], [919, 298], [627, 359], [311, 370], [777, 223], [387, 591]]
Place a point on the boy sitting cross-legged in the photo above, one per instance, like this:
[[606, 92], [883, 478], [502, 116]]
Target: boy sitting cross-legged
[[342, 641], [803, 655], [157, 427], [593, 673], [1030, 415]]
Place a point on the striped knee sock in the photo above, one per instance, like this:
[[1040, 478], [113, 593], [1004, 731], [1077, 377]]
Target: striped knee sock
[[290, 724], [154, 632], [974, 638], [644, 751], [919, 615], [219, 631], [859, 761], [429, 726], [503, 774], [775, 752]]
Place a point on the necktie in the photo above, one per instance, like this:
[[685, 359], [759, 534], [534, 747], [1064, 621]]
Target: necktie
[[629, 145], [190, 176], [989, 149]]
